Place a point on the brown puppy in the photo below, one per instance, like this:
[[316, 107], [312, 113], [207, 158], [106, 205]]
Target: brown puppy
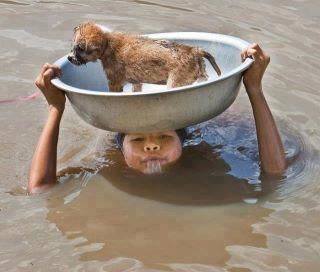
[[135, 59]]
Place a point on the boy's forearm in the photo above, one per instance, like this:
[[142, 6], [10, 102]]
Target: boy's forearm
[[271, 149], [44, 162]]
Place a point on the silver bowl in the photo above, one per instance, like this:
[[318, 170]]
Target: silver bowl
[[157, 109]]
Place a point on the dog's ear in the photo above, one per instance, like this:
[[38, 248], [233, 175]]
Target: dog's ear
[[76, 28], [81, 26], [106, 41]]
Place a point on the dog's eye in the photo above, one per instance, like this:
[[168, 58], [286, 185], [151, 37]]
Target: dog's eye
[[91, 50], [80, 48]]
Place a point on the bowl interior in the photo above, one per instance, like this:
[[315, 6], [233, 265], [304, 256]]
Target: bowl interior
[[91, 77]]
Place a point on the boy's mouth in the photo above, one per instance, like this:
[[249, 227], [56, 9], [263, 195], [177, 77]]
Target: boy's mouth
[[154, 158]]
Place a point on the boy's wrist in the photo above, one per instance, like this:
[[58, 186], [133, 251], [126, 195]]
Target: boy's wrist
[[56, 110], [255, 95], [253, 88]]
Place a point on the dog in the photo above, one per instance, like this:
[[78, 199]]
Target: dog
[[135, 59]]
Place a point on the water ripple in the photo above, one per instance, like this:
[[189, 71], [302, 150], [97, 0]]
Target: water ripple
[[32, 41]]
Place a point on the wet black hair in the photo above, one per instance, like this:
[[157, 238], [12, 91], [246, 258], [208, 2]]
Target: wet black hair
[[182, 134]]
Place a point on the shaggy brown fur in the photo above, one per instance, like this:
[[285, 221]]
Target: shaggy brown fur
[[135, 59]]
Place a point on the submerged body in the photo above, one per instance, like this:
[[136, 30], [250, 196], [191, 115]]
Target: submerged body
[[136, 59]]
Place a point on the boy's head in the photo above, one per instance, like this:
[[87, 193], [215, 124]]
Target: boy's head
[[150, 152]]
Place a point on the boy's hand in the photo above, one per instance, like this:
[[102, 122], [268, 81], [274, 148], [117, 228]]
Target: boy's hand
[[252, 78], [54, 96]]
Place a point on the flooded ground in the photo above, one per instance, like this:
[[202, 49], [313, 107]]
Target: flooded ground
[[213, 211]]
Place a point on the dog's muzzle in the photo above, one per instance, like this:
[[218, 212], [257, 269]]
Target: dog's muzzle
[[76, 59]]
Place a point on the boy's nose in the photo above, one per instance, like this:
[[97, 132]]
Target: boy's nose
[[150, 147]]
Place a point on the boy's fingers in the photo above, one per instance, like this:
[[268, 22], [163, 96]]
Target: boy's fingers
[[244, 54], [256, 47], [57, 69], [48, 71], [44, 68], [39, 82], [267, 58], [47, 76], [54, 67], [252, 53], [51, 72]]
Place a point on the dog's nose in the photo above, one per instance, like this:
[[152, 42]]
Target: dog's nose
[[70, 58], [151, 147]]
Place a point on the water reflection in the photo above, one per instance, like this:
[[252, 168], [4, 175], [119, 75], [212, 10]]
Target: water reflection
[[126, 221]]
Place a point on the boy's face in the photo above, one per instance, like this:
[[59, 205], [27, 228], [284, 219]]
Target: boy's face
[[148, 153]]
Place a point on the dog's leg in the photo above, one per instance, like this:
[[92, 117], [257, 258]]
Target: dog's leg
[[115, 86], [202, 74], [172, 80], [179, 79], [116, 80], [137, 87]]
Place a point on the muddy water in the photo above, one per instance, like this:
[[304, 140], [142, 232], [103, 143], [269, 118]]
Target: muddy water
[[213, 211]]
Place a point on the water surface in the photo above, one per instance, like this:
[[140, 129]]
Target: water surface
[[213, 211]]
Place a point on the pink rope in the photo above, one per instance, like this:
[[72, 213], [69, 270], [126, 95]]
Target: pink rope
[[20, 98]]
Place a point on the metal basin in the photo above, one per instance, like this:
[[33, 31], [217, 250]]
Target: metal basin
[[156, 108]]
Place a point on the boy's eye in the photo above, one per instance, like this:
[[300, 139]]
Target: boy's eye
[[164, 137], [139, 139]]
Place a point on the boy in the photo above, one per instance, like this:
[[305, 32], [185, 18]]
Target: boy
[[143, 152]]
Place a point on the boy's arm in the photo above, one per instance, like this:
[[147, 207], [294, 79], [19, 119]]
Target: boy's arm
[[271, 149], [44, 162]]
